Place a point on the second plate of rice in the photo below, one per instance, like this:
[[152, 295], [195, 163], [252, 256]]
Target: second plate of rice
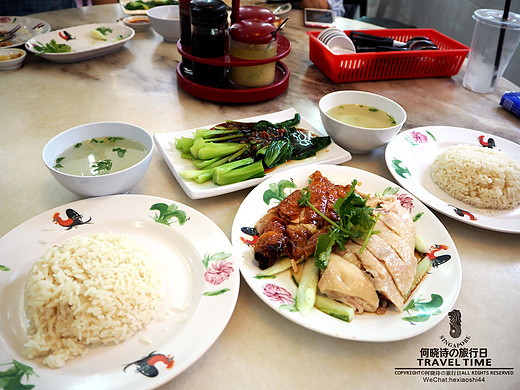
[[115, 292], [468, 175]]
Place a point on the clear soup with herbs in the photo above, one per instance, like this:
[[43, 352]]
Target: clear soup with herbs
[[100, 156], [362, 116]]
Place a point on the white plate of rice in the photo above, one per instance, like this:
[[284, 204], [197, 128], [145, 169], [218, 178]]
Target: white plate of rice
[[189, 284], [412, 153]]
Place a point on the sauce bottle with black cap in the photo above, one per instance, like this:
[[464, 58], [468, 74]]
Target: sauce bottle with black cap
[[184, 14], [208, 39]]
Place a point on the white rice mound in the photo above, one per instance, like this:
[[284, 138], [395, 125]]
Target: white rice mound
[[482, 177], [92, 290]]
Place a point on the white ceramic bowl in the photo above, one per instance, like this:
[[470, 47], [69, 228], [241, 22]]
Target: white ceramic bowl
[[137, 22], [360, 139], [165, 20], [7, 60], [111, 183]]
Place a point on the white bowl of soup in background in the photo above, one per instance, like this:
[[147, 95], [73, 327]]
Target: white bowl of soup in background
[[165, 20], [104, 182], [360, 138]]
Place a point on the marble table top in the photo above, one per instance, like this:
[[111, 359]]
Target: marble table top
[[260, 349]]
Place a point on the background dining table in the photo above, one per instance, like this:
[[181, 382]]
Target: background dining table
[[260, 349]]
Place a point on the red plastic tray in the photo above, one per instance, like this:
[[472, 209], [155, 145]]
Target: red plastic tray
[[341, 68], [232, 94]]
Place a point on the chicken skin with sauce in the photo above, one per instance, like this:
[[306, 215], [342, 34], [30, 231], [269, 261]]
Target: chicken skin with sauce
[[292, 230], [366, 279]]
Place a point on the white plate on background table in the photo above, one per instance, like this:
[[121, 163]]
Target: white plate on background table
[[410, 155], [30, 27], [280, 8], [201, 279], [83, 45], [332, 154], [443, 281]]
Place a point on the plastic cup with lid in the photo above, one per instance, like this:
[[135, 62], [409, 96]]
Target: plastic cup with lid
[[492, 46]]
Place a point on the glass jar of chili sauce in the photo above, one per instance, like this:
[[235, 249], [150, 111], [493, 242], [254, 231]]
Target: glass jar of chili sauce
[[253, 40]]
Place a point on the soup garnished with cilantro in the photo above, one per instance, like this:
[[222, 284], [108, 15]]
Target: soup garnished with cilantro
[[100, 156]]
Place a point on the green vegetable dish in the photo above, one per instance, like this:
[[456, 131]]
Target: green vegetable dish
[[100, 33], [144, 5], [232, 151], [52, 47]]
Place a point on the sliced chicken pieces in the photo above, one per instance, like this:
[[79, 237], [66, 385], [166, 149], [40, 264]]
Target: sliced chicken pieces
[[394, 244], [346, 283], [350, 255], [386, 266], [404, 248], [400, 271], [376, 271], [397, 218]]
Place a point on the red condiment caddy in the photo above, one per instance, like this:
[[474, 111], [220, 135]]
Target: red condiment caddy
[[340, 68], [229, 92], [233, 94]]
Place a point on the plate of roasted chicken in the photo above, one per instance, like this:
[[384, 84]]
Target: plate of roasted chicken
[[346, 253]]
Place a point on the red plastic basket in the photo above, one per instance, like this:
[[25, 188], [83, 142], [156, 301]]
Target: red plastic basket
[[342, 68]]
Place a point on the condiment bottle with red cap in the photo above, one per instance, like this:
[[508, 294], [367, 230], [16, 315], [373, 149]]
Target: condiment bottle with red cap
[[253, 40], [256, 13]]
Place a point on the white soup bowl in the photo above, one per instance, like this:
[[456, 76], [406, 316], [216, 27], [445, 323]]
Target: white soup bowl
[[165, 20], [111, 183], [356, 139]]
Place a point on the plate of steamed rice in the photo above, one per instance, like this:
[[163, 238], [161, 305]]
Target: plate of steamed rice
[[114, 292], [468, 175]]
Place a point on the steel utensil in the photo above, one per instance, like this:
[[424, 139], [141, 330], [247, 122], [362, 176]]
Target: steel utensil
[[367, 41], [275, 32], [6, 38], [11, 31]]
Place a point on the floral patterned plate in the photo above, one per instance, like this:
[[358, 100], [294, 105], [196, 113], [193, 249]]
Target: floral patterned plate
[[410, 154], [200, 275], [429, 304]]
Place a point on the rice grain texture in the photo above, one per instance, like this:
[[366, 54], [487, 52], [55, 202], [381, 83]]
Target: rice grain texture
[[482, 177], [92, 290]]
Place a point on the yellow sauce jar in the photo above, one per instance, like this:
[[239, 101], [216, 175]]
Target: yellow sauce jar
[[252, 40]]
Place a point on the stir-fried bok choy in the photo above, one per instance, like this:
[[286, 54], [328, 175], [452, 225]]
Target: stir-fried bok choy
[[236, 151]]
